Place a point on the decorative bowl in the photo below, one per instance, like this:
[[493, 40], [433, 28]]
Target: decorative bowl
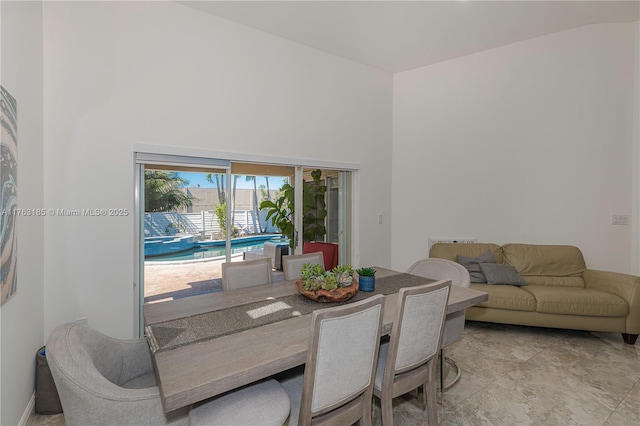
[[340, 294]]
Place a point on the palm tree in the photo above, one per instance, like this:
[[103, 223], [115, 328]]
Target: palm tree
[[255, 200], [233, 206], [268, 190], [219, 183], [163, 191]]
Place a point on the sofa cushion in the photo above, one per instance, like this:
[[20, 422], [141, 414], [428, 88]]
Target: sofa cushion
[[506, 297], [473, 265], [501, 274], [545, 260], [577, 301], [555, 281], [452, 250]]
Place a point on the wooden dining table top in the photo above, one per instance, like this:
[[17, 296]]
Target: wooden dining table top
[[195, 372]]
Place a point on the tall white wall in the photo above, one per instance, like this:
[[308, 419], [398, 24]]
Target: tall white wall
[[22, 316], [125, 73], [532, 142]]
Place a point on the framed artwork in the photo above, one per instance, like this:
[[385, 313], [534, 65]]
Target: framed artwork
[[9, 201]]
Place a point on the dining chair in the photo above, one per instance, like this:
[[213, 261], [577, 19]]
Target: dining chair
[[264, 403], [246, 273], [409, 359], [337, 384], [443, 269], [292, 264], [102, 380]]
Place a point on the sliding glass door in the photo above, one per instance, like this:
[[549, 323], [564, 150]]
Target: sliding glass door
[[193, 214]]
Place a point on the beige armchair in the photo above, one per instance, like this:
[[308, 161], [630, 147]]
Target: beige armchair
[[107, 381]]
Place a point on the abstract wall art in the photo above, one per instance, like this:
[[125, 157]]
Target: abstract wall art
[[9, 201]]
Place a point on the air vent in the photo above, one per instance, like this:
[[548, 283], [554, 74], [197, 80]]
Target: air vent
[[432, 241]]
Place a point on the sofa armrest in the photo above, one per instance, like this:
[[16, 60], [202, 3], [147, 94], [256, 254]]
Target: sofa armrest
[[622, 285]]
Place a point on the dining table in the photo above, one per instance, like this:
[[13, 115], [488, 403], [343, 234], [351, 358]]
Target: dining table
[[206, 345]]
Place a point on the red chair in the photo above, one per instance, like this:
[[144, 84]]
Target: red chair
[[329, 252]]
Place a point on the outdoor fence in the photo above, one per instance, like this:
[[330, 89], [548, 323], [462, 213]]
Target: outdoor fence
[[205, 224]]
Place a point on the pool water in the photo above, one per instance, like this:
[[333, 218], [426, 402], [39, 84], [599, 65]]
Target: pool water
[[206, 252], [214, 249]]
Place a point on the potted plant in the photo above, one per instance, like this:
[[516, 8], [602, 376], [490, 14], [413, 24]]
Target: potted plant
[[317, 284], [367, 278], [280, 212]]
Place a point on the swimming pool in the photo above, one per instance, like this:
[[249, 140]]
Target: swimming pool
[[203, 250]]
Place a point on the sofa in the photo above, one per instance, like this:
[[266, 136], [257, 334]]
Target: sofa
[[547, 286]]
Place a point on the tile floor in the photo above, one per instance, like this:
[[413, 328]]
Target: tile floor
[[527, 376]]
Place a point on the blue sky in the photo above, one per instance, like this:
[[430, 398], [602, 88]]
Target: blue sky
[[196, 179]]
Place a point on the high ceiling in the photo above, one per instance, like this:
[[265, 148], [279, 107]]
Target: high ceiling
[[400, 35]]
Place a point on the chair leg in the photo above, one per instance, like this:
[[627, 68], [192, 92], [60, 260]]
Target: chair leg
[[386, 405], [367, 417], [441, 359], [424, 396], [430, 391]]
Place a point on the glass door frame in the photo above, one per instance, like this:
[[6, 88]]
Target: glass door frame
[[297, 213], [162, 160]]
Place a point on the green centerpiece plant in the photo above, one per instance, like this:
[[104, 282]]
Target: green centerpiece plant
[[344, 275], [314, 277]]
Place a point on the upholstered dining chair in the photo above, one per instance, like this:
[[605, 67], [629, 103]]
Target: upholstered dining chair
[[337, 384], [264, 403], [292, 264], [443, 269], [246, 274], [102, 380], [409, 359]]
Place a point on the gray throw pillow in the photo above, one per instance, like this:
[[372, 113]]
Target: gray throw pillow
[[501, 274], [473, 265]]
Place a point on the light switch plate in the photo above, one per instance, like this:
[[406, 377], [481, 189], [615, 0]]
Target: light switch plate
[[619, 219]]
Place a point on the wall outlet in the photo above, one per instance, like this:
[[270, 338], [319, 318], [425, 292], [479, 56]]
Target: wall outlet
[[620, 219]]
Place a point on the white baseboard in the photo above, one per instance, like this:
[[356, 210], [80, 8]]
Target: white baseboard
[[29, 412]]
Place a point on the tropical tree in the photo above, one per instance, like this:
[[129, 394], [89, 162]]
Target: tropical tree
[[280, 212], [163, 191], [263, 193], [266, 178], [221, 215], [255, 200], [220, 185], [314, 209]]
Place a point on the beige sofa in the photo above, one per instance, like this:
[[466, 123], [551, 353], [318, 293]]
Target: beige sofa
[[560, 292]]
